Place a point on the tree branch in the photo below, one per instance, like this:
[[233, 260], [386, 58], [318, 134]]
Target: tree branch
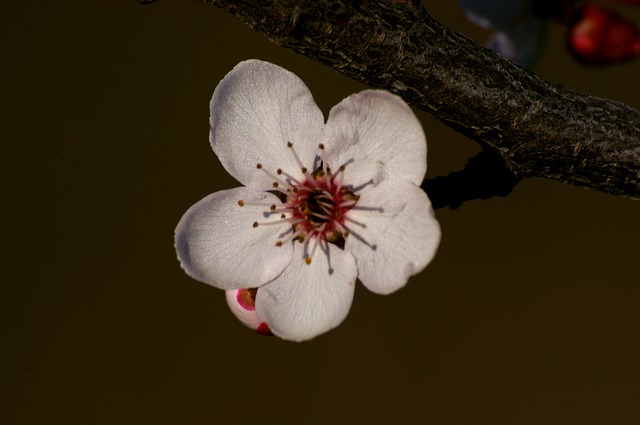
[[539, 128]]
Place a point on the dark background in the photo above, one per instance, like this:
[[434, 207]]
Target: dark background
[[530, 313]]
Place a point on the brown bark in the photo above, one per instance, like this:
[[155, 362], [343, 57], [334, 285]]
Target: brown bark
[[539, 128]]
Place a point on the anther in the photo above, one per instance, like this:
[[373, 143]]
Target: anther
[[293, 236], [289, 177], [278, 181], [291, 221], [324, 163]]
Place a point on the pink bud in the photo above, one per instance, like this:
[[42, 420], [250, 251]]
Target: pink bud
[[599, 36], [242, 304]]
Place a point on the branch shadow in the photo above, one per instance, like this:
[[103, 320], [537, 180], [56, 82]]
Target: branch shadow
[[486, 175]]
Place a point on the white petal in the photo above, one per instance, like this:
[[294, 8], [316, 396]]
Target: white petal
[[255, 110], [397, 238], [377, 137], [309, 299], [217, 243]]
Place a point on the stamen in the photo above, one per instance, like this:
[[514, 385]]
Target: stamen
[[323, 157], [283, 209], [295, 155], [315, 244], [243, 203], [299, 189], [325, 167], [269, 223], [289, 238], [322, 216], [290, 177], [327, 180], [327, 195], [304, 169], [285, 192], [313, 207], [278, 181], [340, 180]]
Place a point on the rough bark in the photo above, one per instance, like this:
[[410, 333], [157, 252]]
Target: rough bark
[[539, 128]]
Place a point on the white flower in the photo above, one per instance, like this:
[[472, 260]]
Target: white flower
[[321, 206], [519, 36]]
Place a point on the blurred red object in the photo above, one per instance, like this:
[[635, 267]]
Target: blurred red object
[[599, 36]]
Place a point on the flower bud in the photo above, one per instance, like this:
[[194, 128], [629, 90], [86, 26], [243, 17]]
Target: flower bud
[[600, 36], [242, 304]]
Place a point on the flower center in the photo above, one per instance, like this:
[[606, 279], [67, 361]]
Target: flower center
[[319, 206], [316, 207]]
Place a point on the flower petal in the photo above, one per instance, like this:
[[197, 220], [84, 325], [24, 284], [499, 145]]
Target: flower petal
[[397, 236], [255, 110], [217, 244], [309, 299], [377, 137]]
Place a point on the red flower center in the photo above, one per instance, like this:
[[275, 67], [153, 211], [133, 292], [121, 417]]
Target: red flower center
[[316, 207]]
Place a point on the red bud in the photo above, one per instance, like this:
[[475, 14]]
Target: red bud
[[600, 36]]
